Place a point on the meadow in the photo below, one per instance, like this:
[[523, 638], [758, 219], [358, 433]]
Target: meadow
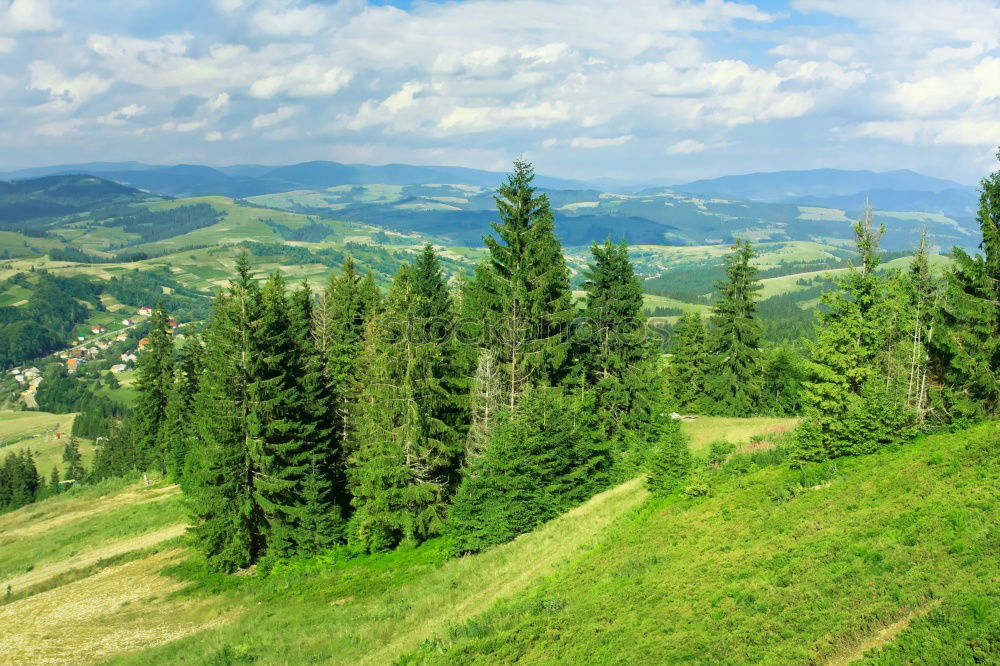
[[873, 558]]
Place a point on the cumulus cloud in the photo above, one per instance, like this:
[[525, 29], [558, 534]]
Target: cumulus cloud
[[267, 119], [600, 88]]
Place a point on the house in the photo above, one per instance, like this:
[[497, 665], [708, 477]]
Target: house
[[80, 338], [118, 367], [19, 378], [97, 330], [121, 337], [71, 365], [94, 352], [146, 311], [143, 343], [127, 322], [128, 357], [103, 345], [32, 372], [173, 324], [63, 355]]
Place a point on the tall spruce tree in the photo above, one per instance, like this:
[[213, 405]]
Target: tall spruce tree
[[178, 429], [967, 352], [54, 487], [407, 440], [521, 293], [688, 362], [320, 516], [850, 404], [733, 384], [220, 476], [154, 381], [277, 433], [616, 351]]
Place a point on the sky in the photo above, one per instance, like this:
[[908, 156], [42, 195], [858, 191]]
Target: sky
[[646, 91]]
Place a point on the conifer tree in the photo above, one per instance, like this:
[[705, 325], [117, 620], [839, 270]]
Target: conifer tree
[[277, 435], [733, 385], [967, 352], [403, 451], [154, 380], [617, 351], [550, 457], [338, 324], [74, 461], [521, 293], [116, 453], [782, 384], [319, 520], [178, 428], [688, 362], [486, 401], [669, 460], [847, 374], [924, 293], [220, 474], [54, 481]]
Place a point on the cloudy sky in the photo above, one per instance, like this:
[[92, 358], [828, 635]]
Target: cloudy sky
[[644, 90]]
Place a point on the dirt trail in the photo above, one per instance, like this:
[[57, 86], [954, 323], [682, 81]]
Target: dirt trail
[[115, 611], [30, 521], [884, 635], [92, 555]]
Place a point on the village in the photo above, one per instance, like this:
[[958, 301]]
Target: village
[[84, 349]]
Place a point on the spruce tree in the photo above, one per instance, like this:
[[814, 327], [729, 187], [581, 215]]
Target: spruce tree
[[688, 362], [178, 429], [669, 460], [324, 485], [616, 351], [403, 453], [54, 481], [967, 351], [277, 435], [733, 386], [74, 461], [521, 293], [486, 401], [220, 474], [848, 372], [154, 380]]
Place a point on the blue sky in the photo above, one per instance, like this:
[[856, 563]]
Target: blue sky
[[647, 90]]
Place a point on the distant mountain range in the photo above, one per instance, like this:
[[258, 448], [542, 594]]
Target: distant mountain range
[[192, 180], [834, 188]]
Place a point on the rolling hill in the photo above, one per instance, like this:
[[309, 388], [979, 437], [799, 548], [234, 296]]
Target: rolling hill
[[881, 559]]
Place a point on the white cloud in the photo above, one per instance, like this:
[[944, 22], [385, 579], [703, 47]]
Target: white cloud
[[7, 44], [267, 119], [686, 147], [218, 103], [27, 16], [67, 91], [594, 142], [213, 136], [122, 114]]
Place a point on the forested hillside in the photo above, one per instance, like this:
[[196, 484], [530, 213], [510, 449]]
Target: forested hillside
[[426, 407]]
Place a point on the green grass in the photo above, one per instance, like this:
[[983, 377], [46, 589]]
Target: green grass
[[369, 610], [755, 574], [704, 430], [27, 544]]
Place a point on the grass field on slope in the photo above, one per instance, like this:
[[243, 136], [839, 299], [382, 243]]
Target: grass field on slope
[[776, 568]]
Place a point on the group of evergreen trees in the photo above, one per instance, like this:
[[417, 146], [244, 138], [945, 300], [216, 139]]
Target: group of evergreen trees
[[478, 408], [21, 484]]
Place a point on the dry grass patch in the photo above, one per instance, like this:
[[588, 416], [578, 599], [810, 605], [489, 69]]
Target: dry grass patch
[[91, 556], [118, 610]]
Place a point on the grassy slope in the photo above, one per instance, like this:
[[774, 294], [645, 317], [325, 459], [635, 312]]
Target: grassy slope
[[372, 609], [738, 577], [18, 430], [707, 429]]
